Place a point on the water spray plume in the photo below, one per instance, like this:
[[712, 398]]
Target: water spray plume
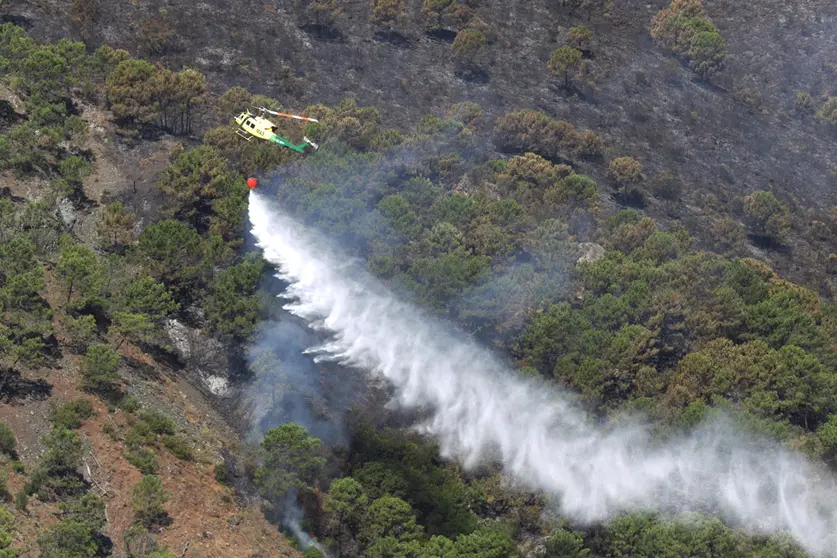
[[479, 410]]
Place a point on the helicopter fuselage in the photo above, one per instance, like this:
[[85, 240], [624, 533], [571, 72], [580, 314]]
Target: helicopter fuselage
[[251, 126], [256, 125]]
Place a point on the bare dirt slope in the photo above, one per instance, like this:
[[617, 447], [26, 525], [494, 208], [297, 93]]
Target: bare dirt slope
[[205, 515]]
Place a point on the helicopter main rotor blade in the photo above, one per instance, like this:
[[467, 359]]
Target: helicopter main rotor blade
[[288, 115]]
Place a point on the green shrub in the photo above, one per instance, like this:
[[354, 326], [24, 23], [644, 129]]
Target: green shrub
[[148, 498], [468, 47], [4, 485], [139, 434], [7, 439], [222, 473], [56, 474], [625, 170], [766, 215], [109, 429], [143, 459], [828, 435], [386, 12], [666, 186], [684, 28], [139, 543], [21, 500], [727, 235], [68, 538], [578, 189], [99, 370], [531, 130], [564, 60], [71, 415], [7, 531], [64, 451], [130, 404], [233, 308], [178, 446], [81, 330], [828, 112], [323, 12], [73, 169], [804, 102], [157, 422], [580, 37], [115, 226]]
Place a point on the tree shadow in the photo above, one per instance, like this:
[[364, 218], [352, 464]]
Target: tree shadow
[[323, 32], [20, 21], [57, 485], [766, 242], [15, 389], [95, 309], [707, 84], [572, 89], [8, 116], [6, 193], [142, 370], [103, 543], [634, 198], [441, 34], [473, 75], [392, 37]]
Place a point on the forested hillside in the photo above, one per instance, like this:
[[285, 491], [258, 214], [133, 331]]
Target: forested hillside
[[748, 108], [573, 236]]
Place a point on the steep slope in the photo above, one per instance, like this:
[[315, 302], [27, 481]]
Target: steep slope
[[663, 302], [206, 517], [735, 135]]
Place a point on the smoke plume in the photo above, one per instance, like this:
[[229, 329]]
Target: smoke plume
[[288, 386], [480, 411]]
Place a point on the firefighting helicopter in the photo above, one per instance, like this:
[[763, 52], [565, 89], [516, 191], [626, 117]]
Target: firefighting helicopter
[[251, 125]]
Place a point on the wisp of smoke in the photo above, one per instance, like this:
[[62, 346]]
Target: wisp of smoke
[[286, 384], [479, 410], [291, 517]]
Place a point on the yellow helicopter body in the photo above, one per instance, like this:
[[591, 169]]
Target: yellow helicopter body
[[251, 125]]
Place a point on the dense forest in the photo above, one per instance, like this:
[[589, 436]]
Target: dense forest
[[525, 231]]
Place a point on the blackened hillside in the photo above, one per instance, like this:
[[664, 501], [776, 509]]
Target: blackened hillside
[[742, 132]]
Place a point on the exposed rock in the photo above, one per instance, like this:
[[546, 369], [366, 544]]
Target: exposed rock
[[67, 212], [179, 335], [205, 356], [590, 252], [218, 385]]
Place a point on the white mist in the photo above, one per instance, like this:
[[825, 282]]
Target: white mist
[[481, 411]]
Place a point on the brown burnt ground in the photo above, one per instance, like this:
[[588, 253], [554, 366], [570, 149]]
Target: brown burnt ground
[[204, 513]]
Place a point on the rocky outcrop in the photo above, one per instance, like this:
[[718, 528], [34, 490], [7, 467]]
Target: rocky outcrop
[[204, 356], [590, 252]]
